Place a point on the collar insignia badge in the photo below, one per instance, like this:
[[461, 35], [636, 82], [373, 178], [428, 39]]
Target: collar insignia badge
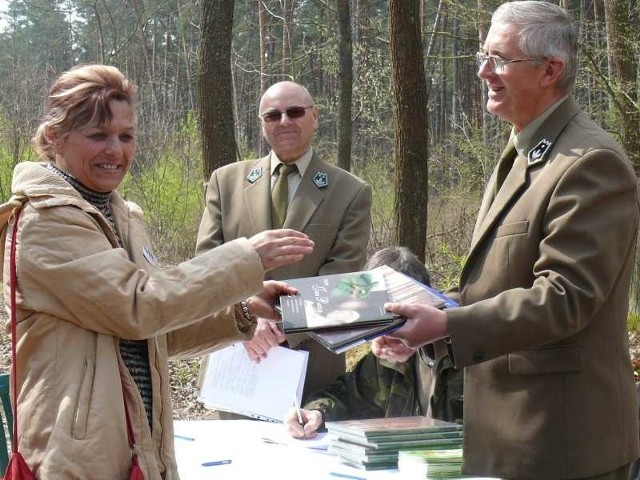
[[537, 153], [149, 256], [254, 174], [321, 179]]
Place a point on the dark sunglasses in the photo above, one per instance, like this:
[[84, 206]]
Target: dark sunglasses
[[291, 112]]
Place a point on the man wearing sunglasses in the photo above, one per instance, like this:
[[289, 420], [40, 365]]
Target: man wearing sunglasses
[[544, 294], [329, 204]]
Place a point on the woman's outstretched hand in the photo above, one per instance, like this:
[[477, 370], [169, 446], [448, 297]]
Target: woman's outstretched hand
[[277, 248]]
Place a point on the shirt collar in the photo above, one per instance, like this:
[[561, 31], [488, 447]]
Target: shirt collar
[[525, 137], [302, 163]]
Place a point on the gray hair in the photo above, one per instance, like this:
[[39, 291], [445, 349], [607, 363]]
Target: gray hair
[[545, 30], [402, 260]]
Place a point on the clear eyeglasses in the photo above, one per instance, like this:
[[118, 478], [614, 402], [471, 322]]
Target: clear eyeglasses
[[498, 64]]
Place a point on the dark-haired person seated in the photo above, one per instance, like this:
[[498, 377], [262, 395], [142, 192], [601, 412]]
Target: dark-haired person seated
[[379, 388]]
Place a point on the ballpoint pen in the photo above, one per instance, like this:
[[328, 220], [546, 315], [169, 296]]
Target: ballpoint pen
[[296, 405], [344, 475], [216, 463]]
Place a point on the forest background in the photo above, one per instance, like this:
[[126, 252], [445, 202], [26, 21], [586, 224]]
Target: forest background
[[400, 103]]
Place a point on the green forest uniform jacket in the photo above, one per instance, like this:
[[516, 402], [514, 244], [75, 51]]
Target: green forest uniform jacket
[[78, 294], [377, 388]]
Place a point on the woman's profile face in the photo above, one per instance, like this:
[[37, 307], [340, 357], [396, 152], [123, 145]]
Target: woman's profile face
[[100, 156]]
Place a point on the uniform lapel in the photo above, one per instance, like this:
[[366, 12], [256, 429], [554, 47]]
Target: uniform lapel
[[257, 195], [307, 198], [536, 155], [515, 181]]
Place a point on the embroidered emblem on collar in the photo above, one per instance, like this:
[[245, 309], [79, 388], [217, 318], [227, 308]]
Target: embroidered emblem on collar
[[321, 179], [254, 174], [537, 153], [149, 256]]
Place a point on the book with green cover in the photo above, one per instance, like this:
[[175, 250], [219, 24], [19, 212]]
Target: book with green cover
[[371, 442], [395, 439], [364, 465], [398, 443], [433, 457], [371, 456], [431, 464], [338, 301], [379, 428], [401, 288]]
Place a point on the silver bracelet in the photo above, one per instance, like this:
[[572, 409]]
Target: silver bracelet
[[244, 306]]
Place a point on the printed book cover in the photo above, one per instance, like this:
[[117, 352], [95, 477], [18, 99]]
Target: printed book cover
[[380, 427], [429, 439], [401, 288], [337, 301]]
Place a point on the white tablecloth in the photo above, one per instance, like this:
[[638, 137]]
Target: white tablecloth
[[241, 442]]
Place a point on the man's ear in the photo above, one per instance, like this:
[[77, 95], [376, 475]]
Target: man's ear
[[553, 69]]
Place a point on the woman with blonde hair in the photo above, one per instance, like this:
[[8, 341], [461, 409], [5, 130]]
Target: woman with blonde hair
[[97, 320]]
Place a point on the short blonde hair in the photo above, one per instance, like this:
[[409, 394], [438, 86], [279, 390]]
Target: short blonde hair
[[80, 98]]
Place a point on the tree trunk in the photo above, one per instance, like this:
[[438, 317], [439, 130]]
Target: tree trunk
[[264, 72], [624, 72], [411, 154], [345, 76], [287, 33], [215, 91]]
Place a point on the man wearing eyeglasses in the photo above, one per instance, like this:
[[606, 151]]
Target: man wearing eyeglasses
[[327, 203], [544, 294]]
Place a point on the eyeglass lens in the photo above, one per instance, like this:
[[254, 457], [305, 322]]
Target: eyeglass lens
[[291, 112], [494, 62]]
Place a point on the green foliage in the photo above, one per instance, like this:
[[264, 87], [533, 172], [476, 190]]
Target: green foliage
[[378, 172], [171, 192], [13, 149], [633, 321], [6, 169], [171, 197], [358, 286]]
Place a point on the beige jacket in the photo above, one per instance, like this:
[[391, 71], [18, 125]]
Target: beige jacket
[[78, 293]]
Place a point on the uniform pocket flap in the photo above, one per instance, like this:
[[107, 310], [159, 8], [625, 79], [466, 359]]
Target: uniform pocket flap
[[320, 228], [514, 228], [563, 359]]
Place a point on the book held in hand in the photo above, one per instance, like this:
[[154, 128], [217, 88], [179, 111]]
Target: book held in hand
[[339, 341], [401, 288], [338, 301]]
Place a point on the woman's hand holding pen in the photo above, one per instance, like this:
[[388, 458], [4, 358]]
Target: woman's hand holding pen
[[301, 423]]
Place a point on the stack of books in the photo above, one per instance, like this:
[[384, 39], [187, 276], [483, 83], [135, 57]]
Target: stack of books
[[374, 444], [430, 464], [344, 310]]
